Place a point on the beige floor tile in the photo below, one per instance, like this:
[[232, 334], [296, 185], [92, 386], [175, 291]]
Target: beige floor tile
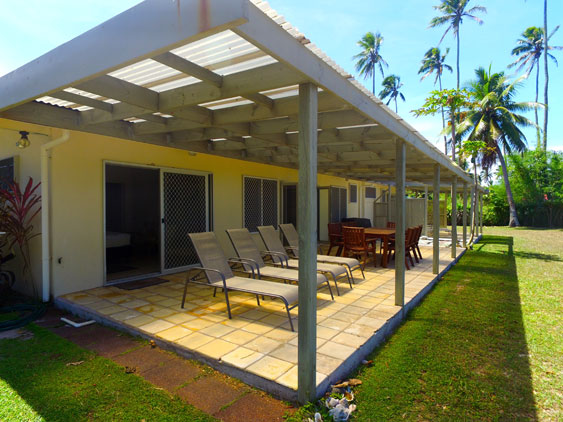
[[334, 324], [120, 299], [215, 317], [349, 340], [370, 322], [285, 352], [155, 298], [270, 368], [179, 318], [236, 322], [217, 348], [111, 310], [217, 330], [254, 314], [257, 328], [262, 344], [140, 320], [162, 313], [156, 326], [327, 364], [135, 303], [82, 298], [335, 350], [281, 334], [361, 330], [99, 305], [194, 340], [242, 357], [342, 316], [125, 315], [174, 333], [325, 332], [147, 309], [239, 337], [198, 324], [274, 320], [170, 302]]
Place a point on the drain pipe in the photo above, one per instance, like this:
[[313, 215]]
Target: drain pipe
[[46, 212]]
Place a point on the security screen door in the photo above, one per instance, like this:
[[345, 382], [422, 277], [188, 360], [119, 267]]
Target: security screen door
[[185, 209]]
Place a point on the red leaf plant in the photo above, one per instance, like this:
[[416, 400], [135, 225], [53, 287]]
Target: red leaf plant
[[17, 211]]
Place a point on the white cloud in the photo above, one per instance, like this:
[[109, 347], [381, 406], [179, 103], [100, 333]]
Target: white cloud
[[557, 148]]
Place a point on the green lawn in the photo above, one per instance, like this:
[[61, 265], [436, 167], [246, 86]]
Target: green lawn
[[486, 344], [37, 385]]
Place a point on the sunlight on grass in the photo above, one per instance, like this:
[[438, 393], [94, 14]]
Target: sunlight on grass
[[13, 407]]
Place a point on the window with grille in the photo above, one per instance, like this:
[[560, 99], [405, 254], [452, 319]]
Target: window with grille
[[371, 193], [260, 203], [353, 194], [7, 172], [338, 206]]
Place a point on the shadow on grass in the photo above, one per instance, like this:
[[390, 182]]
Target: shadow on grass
[[462, 354]]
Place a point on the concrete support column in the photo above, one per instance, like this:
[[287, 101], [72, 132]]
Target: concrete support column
[[400, 172], [307, 224], [464, 214], [436, 220], [454, 217], [425, 229]]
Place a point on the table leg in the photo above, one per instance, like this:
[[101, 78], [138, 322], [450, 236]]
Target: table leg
[[385, 247]]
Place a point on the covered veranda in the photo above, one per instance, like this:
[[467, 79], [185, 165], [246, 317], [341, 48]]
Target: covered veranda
[[232, 78]]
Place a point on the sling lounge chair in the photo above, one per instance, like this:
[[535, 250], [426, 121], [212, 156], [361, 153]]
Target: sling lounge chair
[[273, 243], [219, 275], [246, 249], [292, 239]]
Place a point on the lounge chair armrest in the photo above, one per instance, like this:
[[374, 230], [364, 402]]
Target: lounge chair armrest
[[204, 269], [243, 261], [282, 256]]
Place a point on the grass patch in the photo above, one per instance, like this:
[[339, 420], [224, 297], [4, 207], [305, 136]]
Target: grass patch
[[37, 385], [484, 345]]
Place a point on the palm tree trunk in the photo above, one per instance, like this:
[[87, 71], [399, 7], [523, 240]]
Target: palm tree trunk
[[513, 222], [443, 118], [452, 119], [458, 57], [396, 109], [536, 110], [373, 83], [545, 52]]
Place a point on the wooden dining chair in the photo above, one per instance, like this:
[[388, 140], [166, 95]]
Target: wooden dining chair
[[355, 244], [335, 238], [408, 240], [390, 225]]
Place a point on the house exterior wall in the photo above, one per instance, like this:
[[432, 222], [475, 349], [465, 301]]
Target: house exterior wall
[[77, 212]]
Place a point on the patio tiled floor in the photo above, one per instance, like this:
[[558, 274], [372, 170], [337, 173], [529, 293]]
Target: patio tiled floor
[[258, 340]]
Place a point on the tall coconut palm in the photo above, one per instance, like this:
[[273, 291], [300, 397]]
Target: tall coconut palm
[[493, 120], [370, 59], [391, 85], [529, 51], [453, 12], [435, 62]]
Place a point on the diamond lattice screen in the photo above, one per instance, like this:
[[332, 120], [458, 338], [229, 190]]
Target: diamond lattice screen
[[185, 211], [260, 203]]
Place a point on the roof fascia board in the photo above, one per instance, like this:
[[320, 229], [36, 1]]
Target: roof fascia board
[[150, 28], [274, 40]]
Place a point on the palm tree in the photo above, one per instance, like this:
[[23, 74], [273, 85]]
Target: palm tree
[[529, 51], [391, 85], [493, 120], [369, 59], [434, 62], [453, 12]]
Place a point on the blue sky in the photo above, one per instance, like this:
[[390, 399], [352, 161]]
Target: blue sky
[[32, 27]]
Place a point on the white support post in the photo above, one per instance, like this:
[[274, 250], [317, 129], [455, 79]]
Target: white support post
[[481, 213], [465, 214], [307, 223], [425, 230], [400, 173], [436, 221], [454, 217], [473, 216], [388, 203]]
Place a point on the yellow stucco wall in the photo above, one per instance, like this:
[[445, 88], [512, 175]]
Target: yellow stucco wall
[[77, 195]]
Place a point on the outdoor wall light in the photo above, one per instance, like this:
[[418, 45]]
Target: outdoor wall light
[[23, 142]]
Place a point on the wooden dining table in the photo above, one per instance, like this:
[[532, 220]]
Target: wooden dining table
[[384, 234]]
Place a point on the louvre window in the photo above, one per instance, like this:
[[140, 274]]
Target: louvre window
[[260, 203], [371, 193], [7, 172]]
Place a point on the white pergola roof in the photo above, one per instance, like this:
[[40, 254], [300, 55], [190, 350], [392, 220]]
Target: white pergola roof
[[218, 77]]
